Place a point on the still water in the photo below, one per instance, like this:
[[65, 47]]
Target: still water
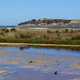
[[39, 64]]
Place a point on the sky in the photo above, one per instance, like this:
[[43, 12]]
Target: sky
[[13, 12]]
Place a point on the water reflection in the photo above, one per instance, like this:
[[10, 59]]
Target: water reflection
[[24, 47], [19, 62]]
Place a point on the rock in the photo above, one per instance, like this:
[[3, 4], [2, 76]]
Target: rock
[[56, 72], [30, 61]]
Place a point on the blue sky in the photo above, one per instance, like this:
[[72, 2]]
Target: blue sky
[[15, 11]]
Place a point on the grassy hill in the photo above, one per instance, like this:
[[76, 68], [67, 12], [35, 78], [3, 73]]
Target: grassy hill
[[50, 23], [75, 21]]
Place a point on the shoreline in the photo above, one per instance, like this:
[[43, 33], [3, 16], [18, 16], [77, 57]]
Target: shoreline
[[26, 45]]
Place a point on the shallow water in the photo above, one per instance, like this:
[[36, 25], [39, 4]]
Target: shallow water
[[39, 64]]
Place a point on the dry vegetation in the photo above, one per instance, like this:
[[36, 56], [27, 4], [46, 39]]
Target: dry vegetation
[[45, 36]]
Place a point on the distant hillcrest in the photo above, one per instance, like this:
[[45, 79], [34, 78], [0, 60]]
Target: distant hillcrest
[[50, 23]]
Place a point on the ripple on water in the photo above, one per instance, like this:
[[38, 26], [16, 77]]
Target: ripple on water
[[44, 62]]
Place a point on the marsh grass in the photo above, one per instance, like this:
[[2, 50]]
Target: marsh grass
[[41, 36]]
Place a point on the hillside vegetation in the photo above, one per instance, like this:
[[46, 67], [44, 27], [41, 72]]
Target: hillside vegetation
[[50, 23], [59, 31], [75, 21], [45, 21]]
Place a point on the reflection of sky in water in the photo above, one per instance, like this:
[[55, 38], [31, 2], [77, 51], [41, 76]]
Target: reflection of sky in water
[[45, 60]]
